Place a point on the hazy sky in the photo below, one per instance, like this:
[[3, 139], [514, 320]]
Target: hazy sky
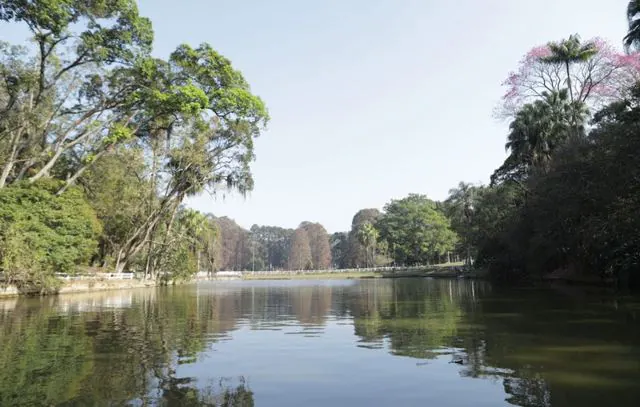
[[371, 99]]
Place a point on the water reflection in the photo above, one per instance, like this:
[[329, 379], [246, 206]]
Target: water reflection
[[156, 347]]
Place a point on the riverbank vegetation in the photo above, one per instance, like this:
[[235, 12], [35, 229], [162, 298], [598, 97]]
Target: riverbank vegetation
[[101, 143]]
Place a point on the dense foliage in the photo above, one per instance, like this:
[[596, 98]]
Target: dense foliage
[[564, 203], [83, 103], [416, 231], [41, 233]]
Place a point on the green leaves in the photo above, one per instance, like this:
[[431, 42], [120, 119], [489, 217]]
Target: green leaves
[[117, 133], [229, 95], [632, 39], [537, 131], [113, 30], [417, 233], [570, 50], [41, 233]]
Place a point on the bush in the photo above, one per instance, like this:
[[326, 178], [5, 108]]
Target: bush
[[42, 234]]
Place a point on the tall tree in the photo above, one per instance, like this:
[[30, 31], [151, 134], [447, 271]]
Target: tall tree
[[417, 233], [119, 193], [357, 253], [205, 110], [74, 96], [537, 131], [272, 243], [597, 74], [300, 251], [367, 235], [460, 208], [339, 249], [232, 237], [319, 243], [568, 52]]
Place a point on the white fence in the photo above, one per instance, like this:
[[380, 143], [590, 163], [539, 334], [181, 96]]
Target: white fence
[[96, 276], [355, 270], [203, 275]]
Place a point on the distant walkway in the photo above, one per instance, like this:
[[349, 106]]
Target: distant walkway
[[369, 270]]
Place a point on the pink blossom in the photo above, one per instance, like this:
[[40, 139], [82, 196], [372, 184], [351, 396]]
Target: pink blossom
[[604, 90], [602, 79], [539, 52], [629, 60]]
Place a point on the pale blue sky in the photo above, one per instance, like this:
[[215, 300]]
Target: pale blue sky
[[371, 99]]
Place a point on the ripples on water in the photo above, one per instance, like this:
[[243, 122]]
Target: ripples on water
[[305, 343]]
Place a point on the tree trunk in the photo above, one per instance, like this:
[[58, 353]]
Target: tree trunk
[[44, 171], [121, 264], [147, 267], [8, 166], [11, 160], [156, 265], [569, 80], [72, 180]]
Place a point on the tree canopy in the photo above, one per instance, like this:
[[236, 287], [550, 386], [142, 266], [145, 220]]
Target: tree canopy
[[416, 232]]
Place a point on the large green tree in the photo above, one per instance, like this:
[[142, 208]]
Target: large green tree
[[367, 236], [357, 254], [538, 129], [460, 208], [119, 193], [72, 92], [206, 112], [416, 232]]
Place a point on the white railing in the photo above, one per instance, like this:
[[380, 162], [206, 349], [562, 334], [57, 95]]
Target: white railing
[[96, 276], [356, 270]]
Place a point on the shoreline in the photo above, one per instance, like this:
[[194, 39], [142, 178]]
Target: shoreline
[[81, 286], [355, 275]]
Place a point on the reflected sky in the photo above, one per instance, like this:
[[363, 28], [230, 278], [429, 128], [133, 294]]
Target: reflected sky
[[354, 343]]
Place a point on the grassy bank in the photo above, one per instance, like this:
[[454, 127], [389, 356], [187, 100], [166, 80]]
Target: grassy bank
[[440, 271], [312, 276]]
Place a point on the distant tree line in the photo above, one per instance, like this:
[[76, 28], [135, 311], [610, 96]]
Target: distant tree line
[[410, 231]]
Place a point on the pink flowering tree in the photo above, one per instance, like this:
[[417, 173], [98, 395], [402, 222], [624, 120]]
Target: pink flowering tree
[[602, 75]]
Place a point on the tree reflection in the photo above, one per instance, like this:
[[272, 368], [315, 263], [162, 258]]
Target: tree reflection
[[419, 318], [541, 344], [546, 348], [182, 392]]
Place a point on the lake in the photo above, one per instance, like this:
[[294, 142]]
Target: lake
[[403, 342]]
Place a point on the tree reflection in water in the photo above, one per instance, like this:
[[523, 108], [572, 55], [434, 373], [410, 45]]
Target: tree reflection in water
[[181, 392], [547, 348]]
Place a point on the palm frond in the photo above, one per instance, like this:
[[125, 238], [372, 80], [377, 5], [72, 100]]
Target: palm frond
[[632, 39]]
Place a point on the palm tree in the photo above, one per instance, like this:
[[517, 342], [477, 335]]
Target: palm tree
[[569, 51], [540, 127], [632, 39]]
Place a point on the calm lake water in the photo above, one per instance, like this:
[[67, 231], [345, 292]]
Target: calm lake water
[[406, 342]]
